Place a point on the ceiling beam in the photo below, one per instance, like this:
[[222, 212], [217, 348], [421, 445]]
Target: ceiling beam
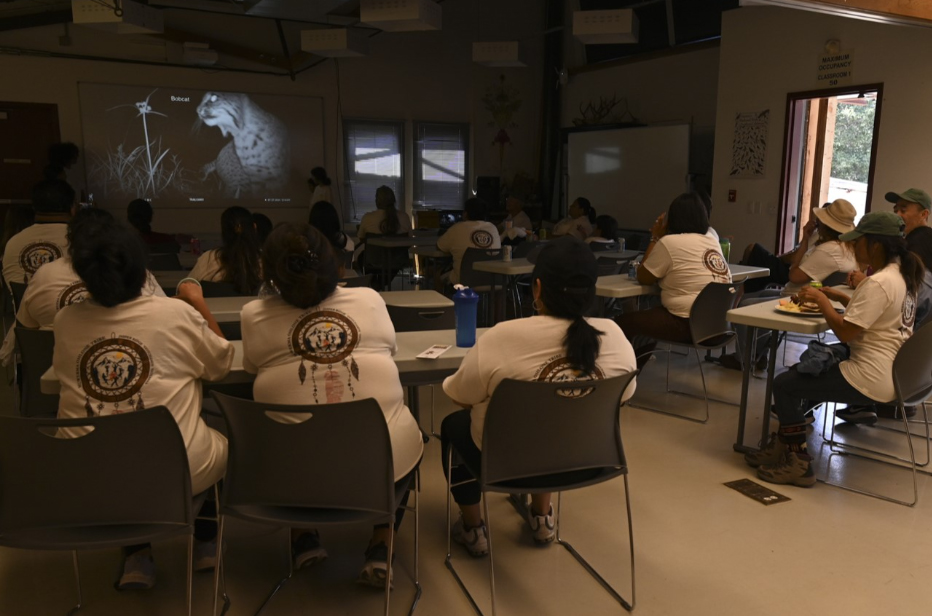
[[894, 12], [35, 20], [237, 51]]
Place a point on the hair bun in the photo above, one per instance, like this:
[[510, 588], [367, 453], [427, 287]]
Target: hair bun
[[300, 263]]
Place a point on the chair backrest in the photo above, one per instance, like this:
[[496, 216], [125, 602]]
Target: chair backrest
[[635, 239], [313, 464], [535, 429], [163, 262], [604, 246], [129, 473], [356, 281], [912, 368], [18, 289], [219, 289], [35, 349], [383, 257], [707, 321], [834, 279], [607, 266], [523, 249], [469, 276], [412, 319], [232, 330]]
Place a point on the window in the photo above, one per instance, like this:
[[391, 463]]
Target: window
[[374, 153], [440, 167]]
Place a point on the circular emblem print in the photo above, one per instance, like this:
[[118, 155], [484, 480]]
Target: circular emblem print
[[37, 254], [75, 293], [560, 371], [482, 239], [114, 370], [909, 311], [715, 263], [324, 337]]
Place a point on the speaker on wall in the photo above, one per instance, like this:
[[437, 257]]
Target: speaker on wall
[[488, 188]]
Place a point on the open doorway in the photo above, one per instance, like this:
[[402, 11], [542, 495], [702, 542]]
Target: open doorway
[[829, 151]]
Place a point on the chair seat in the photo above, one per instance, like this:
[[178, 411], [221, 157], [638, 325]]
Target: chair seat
[[90, 537], [557, 482]]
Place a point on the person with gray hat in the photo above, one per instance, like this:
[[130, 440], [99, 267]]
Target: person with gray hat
[[879, 317]]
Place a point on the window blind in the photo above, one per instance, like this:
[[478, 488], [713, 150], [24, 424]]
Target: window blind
[[374, 157], [440, 165]]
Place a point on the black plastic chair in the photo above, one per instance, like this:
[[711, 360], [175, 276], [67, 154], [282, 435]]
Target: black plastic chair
[[384, 261], [310, 473], [710, 330], [356, 281], [18, 290], [544, 437], [125, 481], [35, 349], [409, 319], [163, 262], [220, 289], [481, 282]]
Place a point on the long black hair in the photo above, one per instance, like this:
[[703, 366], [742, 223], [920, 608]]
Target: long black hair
[[566, 268], [108, 256], [319, 175], [385, 200], [587, 209], [911, 268], [297, 261], [325, 219], [687, 214], [608, 227], [239, 255]]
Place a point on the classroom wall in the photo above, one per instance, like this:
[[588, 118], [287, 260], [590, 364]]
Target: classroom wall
[[408, 76], [767, 53]]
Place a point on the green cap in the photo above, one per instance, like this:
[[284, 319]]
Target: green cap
[[876, 223], [913, 195]]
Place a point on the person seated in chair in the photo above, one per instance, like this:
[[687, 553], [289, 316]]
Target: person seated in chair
[[237, 260], [314, 342], [474, 231], [139, 214], [579, 220], [605, 231], [44, 241], [121, 351], [878, 319], [516, 216], [557, 344]]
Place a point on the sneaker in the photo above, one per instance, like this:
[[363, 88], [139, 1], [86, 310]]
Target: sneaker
[[762, 362], [475, 539], [138, 571], [793, 469], [306, 550], [858, 415], [376, 568], [205, 555], [891, 411], [542, 526], [732, 362], [769, 454]]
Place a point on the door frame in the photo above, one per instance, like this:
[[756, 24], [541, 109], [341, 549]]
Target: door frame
[[790, 155]]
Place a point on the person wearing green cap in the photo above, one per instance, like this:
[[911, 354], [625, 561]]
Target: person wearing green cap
[[879, 318], [912, 206]]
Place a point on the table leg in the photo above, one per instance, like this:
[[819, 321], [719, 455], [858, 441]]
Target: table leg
[[498, 307], [750, 341], [771, 368]]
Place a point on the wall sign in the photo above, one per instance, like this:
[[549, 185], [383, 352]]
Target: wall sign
[[835, 69]]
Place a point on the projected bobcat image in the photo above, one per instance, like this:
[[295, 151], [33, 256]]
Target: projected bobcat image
[[257, 159], [181, 148]]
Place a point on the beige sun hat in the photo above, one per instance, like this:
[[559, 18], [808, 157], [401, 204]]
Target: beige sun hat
[[839, 215]]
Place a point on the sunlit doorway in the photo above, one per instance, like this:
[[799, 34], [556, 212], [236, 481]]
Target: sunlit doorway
[[829, 152]]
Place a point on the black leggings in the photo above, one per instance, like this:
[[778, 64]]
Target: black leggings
[[455, 431]]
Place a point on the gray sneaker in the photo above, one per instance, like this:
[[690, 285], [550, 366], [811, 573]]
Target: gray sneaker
[[542, 526], [791, 470], [376, 568], [138, 571], [307, 551], [476, 539], [769, 454]]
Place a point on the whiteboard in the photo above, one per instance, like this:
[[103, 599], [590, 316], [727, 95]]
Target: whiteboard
[[630, 173]]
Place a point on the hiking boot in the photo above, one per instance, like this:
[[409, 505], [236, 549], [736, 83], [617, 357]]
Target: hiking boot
[[858, 415], [306, 550], [375, 570], [771, 453], [138, 571], [793, 469], [476, 539], [542, 526]]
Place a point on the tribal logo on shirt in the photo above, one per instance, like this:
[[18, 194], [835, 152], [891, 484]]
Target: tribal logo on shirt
[[482, 239], [909, 315], [558, 370], [326, 337], [715, 263], [75, 293], [37, 254], [114, 370]]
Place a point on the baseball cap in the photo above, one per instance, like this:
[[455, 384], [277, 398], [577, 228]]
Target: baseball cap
[[876, 223], [913, 195]]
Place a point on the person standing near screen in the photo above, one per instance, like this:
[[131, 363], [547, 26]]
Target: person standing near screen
[[319, 183]]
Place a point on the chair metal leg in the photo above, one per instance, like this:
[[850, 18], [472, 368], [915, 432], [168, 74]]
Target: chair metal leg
[[388, 576], [589, 568], [282, 581], [417, 535], [218, 570], [190, 581], [77, 583], [488, 535], [448, 561], [705, 397]]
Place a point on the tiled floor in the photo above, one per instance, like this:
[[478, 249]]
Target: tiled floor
[[701, 548]]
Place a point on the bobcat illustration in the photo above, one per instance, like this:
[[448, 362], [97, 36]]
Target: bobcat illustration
[[257, 162]]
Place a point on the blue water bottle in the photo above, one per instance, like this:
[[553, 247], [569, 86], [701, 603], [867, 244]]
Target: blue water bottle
[[465, 302]]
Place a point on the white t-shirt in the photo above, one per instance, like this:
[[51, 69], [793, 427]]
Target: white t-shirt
[[821, 262], [520, 221], [598, 240], [56, 286], [371, 223], [208, 267], [150, 351], [713, 234], [338, 351], [579, 228], [685, 263], [33, 247], [887, 313], [321, 193], [530, 349], [467, 234]]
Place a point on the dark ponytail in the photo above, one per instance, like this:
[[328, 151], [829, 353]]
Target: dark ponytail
[[911, 268], [385, 200], [298, 261], [239, 255], [567, 272], [587, 209]]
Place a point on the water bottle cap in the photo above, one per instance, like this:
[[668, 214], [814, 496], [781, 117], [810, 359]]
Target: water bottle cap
[[464, 292]]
